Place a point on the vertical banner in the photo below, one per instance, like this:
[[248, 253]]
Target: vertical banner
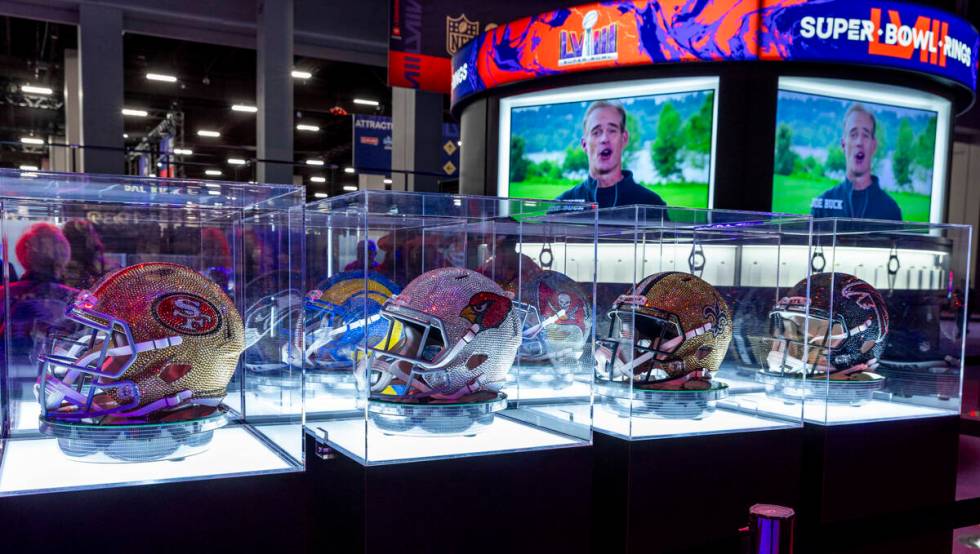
[[372, 143], [450, 150]]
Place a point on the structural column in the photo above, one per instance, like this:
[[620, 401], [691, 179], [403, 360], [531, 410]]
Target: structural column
[[416, 139], [100, 47], [274, 90]]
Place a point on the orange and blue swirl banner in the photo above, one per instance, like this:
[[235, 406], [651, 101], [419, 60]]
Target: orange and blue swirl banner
[[613, 34]]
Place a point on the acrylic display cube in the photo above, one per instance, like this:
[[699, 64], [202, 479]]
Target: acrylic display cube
[[479, 312], [197, 259]]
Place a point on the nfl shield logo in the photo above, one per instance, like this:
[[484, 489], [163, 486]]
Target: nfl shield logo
[[459, 31]]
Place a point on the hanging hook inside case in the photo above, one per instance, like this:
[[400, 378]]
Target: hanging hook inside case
[[818, 262], [696, 259]]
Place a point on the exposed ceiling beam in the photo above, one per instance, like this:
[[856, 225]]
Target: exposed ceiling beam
[[349, 32]]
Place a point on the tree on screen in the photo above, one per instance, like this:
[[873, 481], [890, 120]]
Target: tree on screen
[[697, 130], [836, 161], [518, 163], [575, 160], [904, 152], [668, 143], [925, 145], [785, 157], [635, 144]]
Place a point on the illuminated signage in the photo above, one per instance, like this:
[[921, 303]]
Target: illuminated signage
[[643, 32]]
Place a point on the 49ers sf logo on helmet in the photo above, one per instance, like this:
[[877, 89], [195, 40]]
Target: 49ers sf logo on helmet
[[187, 314]]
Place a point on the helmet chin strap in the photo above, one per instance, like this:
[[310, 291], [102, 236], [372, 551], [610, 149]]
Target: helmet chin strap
[[533, 331]]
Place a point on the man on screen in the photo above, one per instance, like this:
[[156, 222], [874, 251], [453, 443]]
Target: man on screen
[[604, 139], [859, 194]]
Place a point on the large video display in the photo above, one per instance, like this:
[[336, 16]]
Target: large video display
[[846, 149], [575, 143]]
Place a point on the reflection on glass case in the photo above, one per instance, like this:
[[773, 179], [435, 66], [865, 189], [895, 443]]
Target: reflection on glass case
[[134, 314], [444, 326], [885, 334], [683, 299]]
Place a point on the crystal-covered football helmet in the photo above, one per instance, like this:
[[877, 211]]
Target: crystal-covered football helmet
[[154, 342], [670, 332], [558, 322], [459, 335], [268, 328], [843, 336], [343, 315]]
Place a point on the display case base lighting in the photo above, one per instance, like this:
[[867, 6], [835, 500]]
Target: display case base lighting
[[348, 435]]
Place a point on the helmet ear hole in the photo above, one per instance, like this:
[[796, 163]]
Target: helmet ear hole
[[174, 371], [703, 352], [868, 345], [475, 361]]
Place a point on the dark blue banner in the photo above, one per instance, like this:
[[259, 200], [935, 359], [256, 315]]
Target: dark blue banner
[[372, 146], [905, 36], [372, 143]]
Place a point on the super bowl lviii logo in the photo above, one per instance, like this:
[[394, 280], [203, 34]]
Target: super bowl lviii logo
[[594, 44]]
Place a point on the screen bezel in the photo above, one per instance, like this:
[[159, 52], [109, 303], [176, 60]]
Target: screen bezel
[[603, 91], [898, 97]]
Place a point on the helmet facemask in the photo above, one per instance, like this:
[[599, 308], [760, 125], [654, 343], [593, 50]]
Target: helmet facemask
[[640, 347], [809, 346], [82, 368], [414, 356]]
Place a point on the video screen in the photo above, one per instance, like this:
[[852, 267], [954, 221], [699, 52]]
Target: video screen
[[859, 150], [648, 143]]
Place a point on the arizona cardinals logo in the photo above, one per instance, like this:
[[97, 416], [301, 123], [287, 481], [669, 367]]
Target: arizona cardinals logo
[[862, 295], [486, 309]]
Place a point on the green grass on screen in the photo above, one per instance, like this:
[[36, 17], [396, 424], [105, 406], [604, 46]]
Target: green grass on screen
[[682, 194], [793, 194]]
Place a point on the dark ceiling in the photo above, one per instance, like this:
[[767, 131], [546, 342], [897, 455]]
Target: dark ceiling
[[211, 79]]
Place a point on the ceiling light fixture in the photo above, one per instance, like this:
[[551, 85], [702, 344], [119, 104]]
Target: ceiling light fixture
[[350, 188], [314, 162], [244, 108], [318, 179], [32, 89], [208, 133], [213, 172], [308, 127], [134, 112], [348, 170], [31, 140], [366, 102], [387, 181], [320, 195], [300, 74], [236, 161], [183, 151], [163, 77], [28, 167]]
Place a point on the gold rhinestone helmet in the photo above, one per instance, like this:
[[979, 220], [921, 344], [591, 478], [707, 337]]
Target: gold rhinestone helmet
[[671, 331], [154, 342]]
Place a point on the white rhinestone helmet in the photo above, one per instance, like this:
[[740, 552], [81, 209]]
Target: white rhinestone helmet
[[459, 335]]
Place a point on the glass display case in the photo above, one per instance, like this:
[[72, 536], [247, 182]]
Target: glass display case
[[444, 326], [136, 314], [683, 300], [885, 336]]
